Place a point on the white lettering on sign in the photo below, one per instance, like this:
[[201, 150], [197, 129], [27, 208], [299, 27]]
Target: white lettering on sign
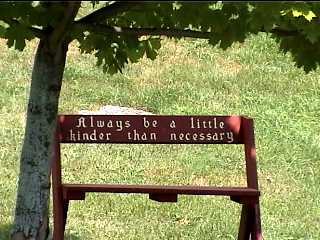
[[173, 124], [193, 129], [228, 136], [147, 123], [93, 136], [137, 136], [211, 124], [81, 123], [119, 125]]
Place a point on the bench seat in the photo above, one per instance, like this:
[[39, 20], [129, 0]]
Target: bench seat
[[162, 193]]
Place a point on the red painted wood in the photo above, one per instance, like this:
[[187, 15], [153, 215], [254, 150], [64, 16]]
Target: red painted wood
[[163, 197], [187, 190], [256, 226], [58, 206], [158, 129], [244, 226], [250, 224], [250, 228], [250, 152]]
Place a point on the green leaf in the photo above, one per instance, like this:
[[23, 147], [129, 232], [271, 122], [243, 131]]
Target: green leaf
[[312, 32], [136, 52], [16, 36], [10, 42], [94, 3], [2, 31], [155, 43], [307, 56], [308, 15], [150, 52]]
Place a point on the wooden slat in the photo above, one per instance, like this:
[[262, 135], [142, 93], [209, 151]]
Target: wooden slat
[[173, 189]]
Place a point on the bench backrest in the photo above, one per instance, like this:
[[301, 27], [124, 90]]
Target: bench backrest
[[161, 129]]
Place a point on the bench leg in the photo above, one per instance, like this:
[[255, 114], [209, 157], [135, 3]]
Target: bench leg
[[60, 215], [58, 220], [250, 223], [256, 223], [65, 213], [244, 228]]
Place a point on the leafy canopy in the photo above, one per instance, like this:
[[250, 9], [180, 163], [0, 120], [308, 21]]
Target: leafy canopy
[[118, 32]]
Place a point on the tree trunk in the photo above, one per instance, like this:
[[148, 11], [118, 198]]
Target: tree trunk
[[32, 203]]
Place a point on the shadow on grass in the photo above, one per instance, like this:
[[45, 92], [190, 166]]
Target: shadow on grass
[[5, 231], [6, 228]]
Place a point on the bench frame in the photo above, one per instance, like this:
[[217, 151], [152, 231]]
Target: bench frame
[[248, 197]]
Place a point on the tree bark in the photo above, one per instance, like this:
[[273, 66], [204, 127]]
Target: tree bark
[[31, 220]]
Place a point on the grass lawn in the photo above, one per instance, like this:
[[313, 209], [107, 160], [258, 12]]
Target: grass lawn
[[188, 77]]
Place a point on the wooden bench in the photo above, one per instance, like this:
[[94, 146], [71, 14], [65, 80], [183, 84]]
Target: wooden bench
[[158, 129]]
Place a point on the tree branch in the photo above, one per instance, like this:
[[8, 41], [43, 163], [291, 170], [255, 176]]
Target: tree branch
[[60, 31], [105, 30], [37, 32], [284, 33], [108, 11]]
